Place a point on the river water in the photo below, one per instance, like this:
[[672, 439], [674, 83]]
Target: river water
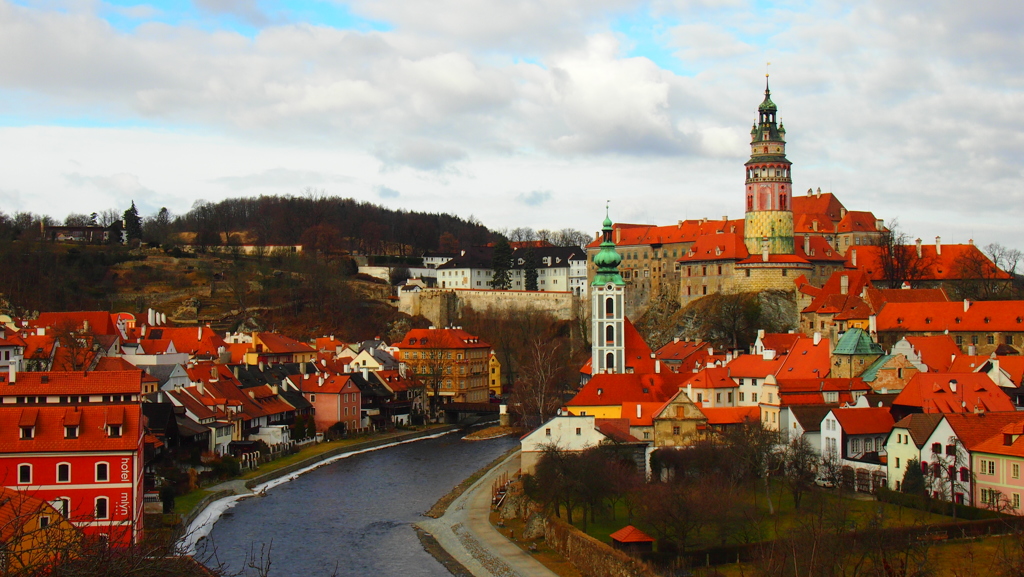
[[352, 517]]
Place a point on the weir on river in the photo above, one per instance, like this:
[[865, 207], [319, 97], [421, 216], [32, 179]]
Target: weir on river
[[354, 515]]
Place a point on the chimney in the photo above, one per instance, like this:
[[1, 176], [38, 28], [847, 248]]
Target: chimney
[[970, 241], [689, 391], [879, 224], [235, 372], [199, 333], [260, 365], [366, 373], [817, 339], [768, 354], [853, 257], [918, 241], [817, 194], [13, 378], [938, 245], [844, 284], [150, 317], [201, 388], [638, 413], [346, 369], [967, 304], [302, 368], [618, 235], [143, 331], [807, 244], [972, 350], [40, 332], [760, 333], [810, 192], [952, 385], [842, 212], [764, 249], [725, 217], [214, 374], [657, 367], [675, 340]]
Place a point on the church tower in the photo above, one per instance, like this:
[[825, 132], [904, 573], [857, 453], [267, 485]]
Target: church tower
[[769, 215], [608, 304]]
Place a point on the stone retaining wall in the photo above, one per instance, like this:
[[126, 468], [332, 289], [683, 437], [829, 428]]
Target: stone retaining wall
[[590, 556]]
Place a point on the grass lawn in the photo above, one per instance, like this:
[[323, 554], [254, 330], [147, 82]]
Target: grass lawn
[[759, 525], [183, 505]]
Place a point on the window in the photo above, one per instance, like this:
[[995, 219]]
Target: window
[[609, 334], [729, 395], [28, 433], [547, 432], [1009, 339], [718, 398], [869, 446], [64, 472], [951, 450], [700, 397], [855, 445], [609, 307], [831, 397], [741, 396], [974, 339], [965, 474], [675, 430], [1016, 500], [71, 432], [102, 472], [312, 398], [579, 431], [44, 520], [62, 505], [1016, 470], [114, 431], [991, 339], [753, 397], [897, 462], [24, 474], [101, 508], [937, 448]]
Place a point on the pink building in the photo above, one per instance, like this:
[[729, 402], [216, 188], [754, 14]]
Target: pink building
[[335, 399], [997, 464]]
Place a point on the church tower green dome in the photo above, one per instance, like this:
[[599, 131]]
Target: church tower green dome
[[607, 259]]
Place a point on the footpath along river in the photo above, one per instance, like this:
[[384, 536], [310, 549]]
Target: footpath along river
[[355, 514]]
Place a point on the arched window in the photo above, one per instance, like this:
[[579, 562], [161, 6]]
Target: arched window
[[102, 511], [102, 472], [782, 201], [750, 202], [609, 334], [24, 474], [63, 472], [609, 306], [609, 361]]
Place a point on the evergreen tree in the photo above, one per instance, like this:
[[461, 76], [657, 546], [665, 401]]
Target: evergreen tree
[[530, 270], [133, 223], [502, 266], [913, 479]]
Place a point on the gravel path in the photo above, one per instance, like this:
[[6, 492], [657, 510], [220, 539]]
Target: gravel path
[[466, 533]]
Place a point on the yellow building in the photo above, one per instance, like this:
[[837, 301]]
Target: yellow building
[[494, 375], [451, 362]]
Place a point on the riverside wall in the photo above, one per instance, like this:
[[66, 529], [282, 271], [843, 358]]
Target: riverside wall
[[444, 307]]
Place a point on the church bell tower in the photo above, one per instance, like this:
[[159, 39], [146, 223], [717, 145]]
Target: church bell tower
[[769, 214], [608, 305]]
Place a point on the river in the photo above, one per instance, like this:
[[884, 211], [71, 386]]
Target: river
[[353, 517]]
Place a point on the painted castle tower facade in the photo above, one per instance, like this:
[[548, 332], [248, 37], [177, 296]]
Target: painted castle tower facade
[[607, 302], [769, 185]]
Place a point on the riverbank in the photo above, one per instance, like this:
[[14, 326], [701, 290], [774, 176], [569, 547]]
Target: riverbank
[[224, 495]]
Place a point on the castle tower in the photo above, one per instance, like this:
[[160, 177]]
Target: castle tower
[[608, 304], [769, 214]]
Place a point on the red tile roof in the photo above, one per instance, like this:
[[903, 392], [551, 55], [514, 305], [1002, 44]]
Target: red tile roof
[[683, 231], [441, 338], [196, 341], [936, 351], [647, 412], [806, 360], [277, 343], [935, 266], [730, 415], [615, 429], [825, 203], [982, 316], [714, 247], [858, 221], [775, 258], [822, 385], [100, 322], [615, 389], [820, 249], [753, 366], [38, 347], [974, 428], [630, 534], [932, 393], [864, 421], [327, 383], [710, 378], [781, 343], [831, 300], [73, 383], [805, 223], [92, 434]]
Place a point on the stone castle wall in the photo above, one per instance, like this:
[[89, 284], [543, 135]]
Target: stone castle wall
[[444, 307]]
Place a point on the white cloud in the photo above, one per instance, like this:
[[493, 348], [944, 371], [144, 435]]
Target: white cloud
[[280, 178]]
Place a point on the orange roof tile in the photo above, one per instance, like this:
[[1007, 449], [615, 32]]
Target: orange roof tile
[[714, 247], [858, 221], [614, 389], [441, 338], [973, 429], [933, 393], [630, 534], [936, 351], [730, 415], [864, 421], [647, 412], [92, 434], [277, 343], [941, 265], [710, 378], [825, 203], [753, 366], [820, 249], [982, 316], [683, 231], [73, 383], [806, 360], [100, 322]]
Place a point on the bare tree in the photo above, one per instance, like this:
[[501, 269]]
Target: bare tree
[[800, 463], [986, 275], [899, 260], [77, 344], [538, 392]]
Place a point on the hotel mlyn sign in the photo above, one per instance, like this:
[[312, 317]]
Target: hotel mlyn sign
[[82, 457]]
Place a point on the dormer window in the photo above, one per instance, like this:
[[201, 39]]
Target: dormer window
[[28, 433], [114, 431], [71, 432]]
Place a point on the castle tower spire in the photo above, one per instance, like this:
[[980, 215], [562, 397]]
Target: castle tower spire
[[607, 307], [769, 184]]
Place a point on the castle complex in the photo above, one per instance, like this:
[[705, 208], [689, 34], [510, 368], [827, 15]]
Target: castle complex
[[780, 238]]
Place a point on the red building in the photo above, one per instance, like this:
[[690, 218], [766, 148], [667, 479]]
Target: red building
[[335, 398], [75, 440]]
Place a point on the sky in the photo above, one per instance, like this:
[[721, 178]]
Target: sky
[[516, 112]]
